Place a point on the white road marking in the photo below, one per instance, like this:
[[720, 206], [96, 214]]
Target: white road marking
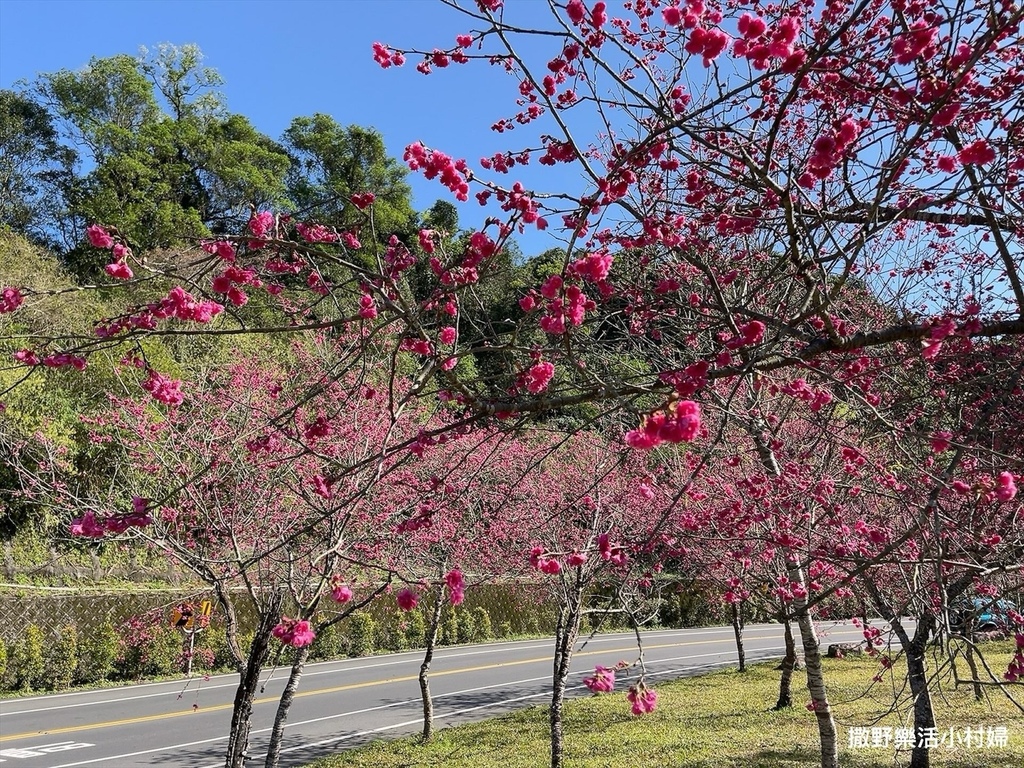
[[42, 750], [341, 666], [404, 703]]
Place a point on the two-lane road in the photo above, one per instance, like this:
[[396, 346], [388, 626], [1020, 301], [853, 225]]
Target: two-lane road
[[340, 703]]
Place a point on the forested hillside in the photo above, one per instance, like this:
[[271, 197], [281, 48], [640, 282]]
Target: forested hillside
[[773, 352]]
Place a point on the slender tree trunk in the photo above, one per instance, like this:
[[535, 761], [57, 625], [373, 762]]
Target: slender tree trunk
[[737, 630], [917, 672], [815, 677], [430, 640], [566, 631], [277, 734], [230, 625], [972, 665], [241, 715], [788, 665]]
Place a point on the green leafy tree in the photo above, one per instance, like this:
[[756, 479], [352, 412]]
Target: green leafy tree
[[33, 165], [331, 162], [168, 161]]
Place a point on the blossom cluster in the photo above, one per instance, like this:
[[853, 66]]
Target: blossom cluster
[[294, 632], [162, 388], [678, 423], [543, 563], [340, 592], [89, 527], [434, 163], [603, 680], [456, 584], [642, 699], [101, 238], [407, 599]]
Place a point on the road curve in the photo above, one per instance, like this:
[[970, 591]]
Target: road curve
[[184, 724]]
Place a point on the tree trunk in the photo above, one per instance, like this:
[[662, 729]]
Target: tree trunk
[[565, 637], [917, 673], [972, 665], [430, 640], [924, 717], [241, 715], [788, 665], [815, 678], [277, 734], [737, 630]]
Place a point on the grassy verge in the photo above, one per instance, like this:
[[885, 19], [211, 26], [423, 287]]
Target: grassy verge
[[719, 720]]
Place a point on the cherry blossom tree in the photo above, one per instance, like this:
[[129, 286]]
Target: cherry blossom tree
[[790, 220]]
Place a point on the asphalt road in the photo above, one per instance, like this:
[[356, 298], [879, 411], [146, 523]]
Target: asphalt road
[[184, 724]]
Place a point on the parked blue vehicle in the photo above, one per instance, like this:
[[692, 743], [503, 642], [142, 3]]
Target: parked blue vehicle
[[985, 613]]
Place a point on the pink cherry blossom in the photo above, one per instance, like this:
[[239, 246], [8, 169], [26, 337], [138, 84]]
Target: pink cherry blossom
[[261, 223], [99, 237], [87, 526], [120, 270], [26, 357], [643, 699], [1006, 488], [341, 593], [295, 633], [363, 200], [978, 152], [367, 307], [539, 376], [162, 388], [10, 299], [603, 680], [456, 586], [302, 634], [407, 599]]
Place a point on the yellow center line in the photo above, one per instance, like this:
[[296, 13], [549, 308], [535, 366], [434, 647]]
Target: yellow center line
[[335, 689]]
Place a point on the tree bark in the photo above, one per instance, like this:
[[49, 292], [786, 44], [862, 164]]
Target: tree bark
[[788, 665], [566, 631], [277, 734], [815, 677], [241, 715], [737, 630], [430, 641], [917, 671], [972, 665]]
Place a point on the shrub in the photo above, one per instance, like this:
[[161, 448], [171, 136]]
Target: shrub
[[61, 660], [97, 651], [531, 624], [362, 634], [3, 661], [449, 633], [691, 605], [585, 625], [482, 620], [149, 648], [215, 639], [415, 629], [505, 629], [26, 659], [393, 637], [329, 644], [465, 627]]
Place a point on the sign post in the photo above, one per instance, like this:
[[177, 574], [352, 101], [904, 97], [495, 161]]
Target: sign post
[[186, 617]]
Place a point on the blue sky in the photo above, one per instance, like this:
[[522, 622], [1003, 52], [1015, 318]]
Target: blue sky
[[280, 60]]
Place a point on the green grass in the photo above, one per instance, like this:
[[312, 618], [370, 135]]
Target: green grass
[[720, 720]]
